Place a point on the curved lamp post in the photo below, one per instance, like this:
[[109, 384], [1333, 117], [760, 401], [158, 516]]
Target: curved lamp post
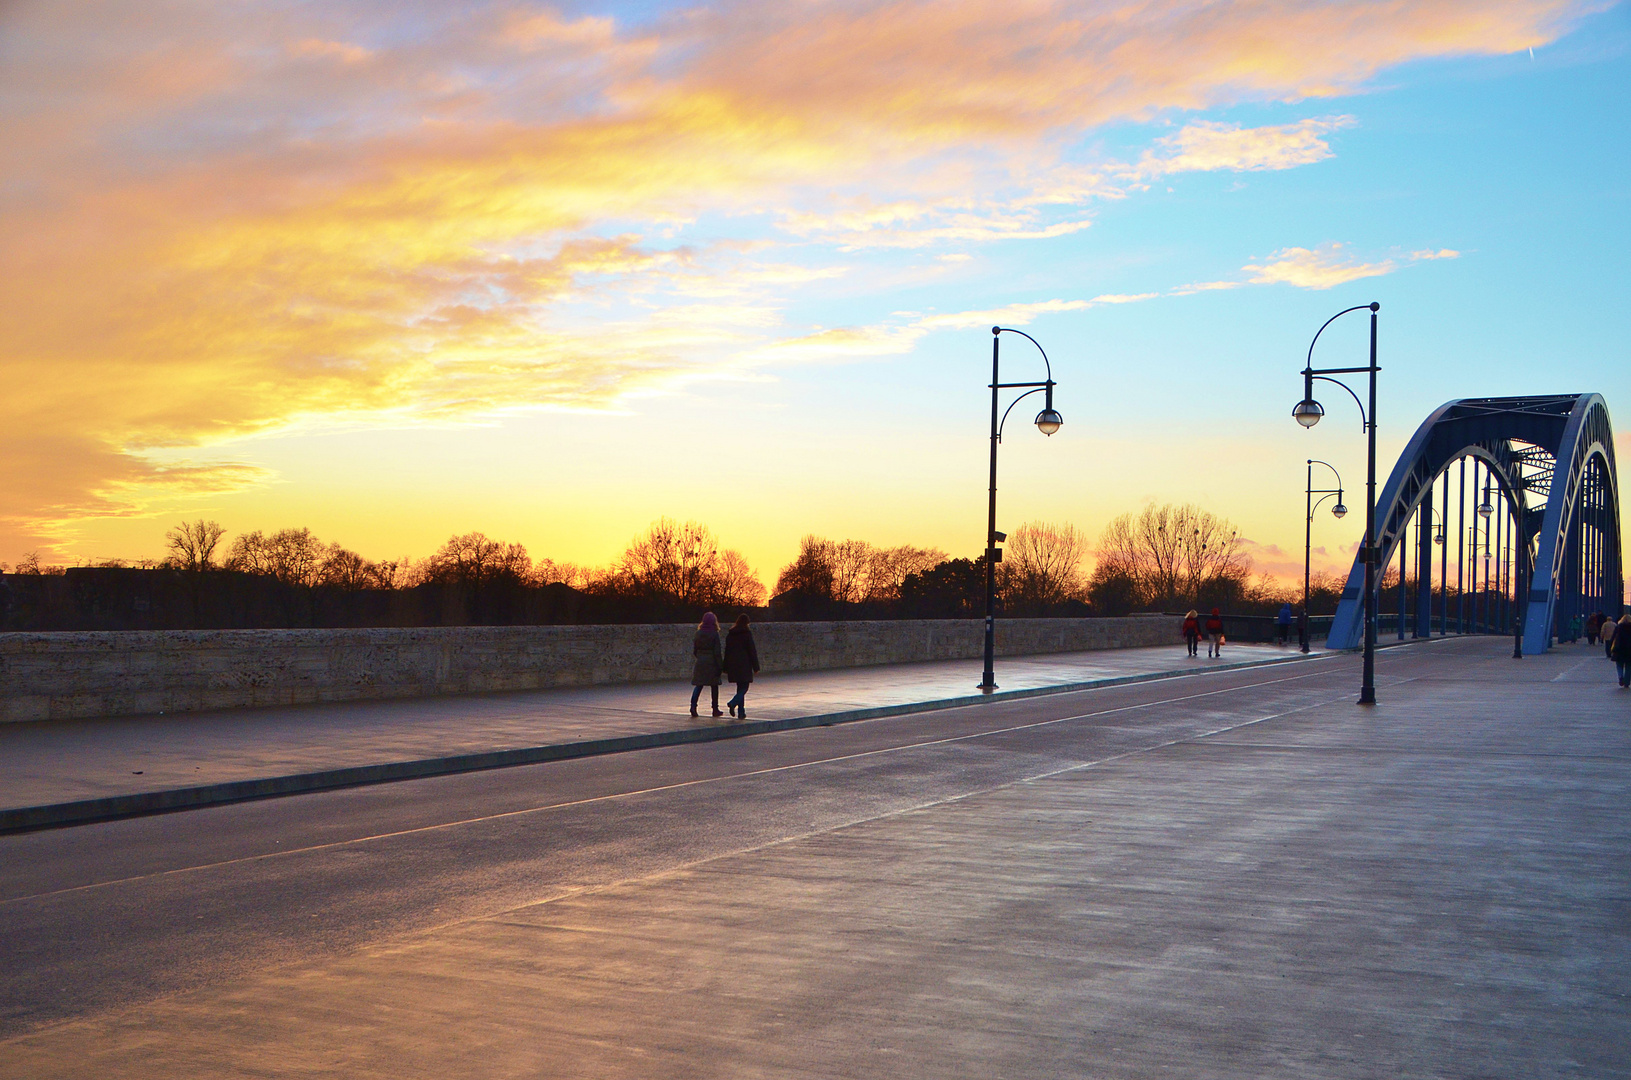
[[1486, 510], [1307, 412], [1047, 422], [1338, 511]]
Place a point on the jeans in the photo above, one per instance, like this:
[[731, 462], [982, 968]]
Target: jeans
[[1624, 667], [741, 697], [696, 693]]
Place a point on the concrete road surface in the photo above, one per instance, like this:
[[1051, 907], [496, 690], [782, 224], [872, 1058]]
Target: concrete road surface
[[1234, 875]]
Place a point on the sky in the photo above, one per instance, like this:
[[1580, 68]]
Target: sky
[[397, 271]]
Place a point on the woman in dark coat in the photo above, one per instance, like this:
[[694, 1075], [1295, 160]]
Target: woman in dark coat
[[1622, 650], [741, 661], [710, 661]]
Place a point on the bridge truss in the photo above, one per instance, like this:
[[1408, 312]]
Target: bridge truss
[[1536, 533]]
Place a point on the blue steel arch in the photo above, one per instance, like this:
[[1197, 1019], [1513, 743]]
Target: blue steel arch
[[1558, 447]]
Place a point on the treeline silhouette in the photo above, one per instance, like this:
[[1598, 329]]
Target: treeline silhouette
[[1164, 558]]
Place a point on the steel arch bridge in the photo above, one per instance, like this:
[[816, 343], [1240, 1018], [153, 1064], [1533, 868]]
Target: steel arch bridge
[[1549, 548]]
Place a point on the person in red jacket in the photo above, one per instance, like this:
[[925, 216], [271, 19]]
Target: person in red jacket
[[1192, 632], [1214, 633]]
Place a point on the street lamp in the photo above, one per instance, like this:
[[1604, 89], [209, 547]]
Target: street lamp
[[1338, 511], [1307, 413], [1047, 422]]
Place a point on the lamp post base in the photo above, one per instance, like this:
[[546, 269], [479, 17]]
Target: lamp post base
[[986, 688]]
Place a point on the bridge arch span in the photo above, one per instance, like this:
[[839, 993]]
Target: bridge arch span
[[1549, 460]]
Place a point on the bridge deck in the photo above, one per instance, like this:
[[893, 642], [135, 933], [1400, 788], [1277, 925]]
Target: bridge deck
[[1254, 879], [53, 762]]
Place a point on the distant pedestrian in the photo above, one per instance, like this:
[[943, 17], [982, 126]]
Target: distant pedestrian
[[1593, 624], [1575, 626], [1214, 634], [741, 661], [709, 662], [1622, 650], [1192, 632], [1282, 622], [1607, 634]]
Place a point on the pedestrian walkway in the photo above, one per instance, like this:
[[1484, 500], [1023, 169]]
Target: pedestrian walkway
[[140, 764]]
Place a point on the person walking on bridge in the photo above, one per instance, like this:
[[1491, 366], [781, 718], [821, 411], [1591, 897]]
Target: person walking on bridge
[[709, 662], [741, 661], [1607, 634], [1282, 622], [1192, 632], [1622, 650], [1214, 634], [1594, 623]]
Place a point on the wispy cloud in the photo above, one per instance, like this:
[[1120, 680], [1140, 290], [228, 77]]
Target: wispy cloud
[[1011, 315], [1327, 266], [1323, 267], [1205, 147]]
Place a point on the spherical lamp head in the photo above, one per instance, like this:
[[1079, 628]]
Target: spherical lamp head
[[1049, 421], [1339, 511], [1308, 412], [1485, 509]]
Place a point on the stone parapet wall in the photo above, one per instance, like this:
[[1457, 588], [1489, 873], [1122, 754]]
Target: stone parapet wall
[[77, 675]]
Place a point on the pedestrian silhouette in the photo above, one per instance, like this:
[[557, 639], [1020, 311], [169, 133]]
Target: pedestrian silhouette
[[741, 661], [709, 661], [1214, 633], [1622, 651], [1192, 632]]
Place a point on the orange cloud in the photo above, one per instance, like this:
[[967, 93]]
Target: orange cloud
[[219, 222]]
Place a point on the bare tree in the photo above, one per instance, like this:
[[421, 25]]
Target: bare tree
[[888, 568], [812, 571], [293, 556], [854, 571], [1042, 566], [737, 585], [1169, 555], [345, 569], [672, 563], [549, 572], [474, 559], [851, 570], [192, 544], [250, 554]]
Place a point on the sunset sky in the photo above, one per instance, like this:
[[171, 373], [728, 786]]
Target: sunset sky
[[395, 271]]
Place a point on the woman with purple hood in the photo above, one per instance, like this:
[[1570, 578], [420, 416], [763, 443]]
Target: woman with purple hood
[[709, 652]]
